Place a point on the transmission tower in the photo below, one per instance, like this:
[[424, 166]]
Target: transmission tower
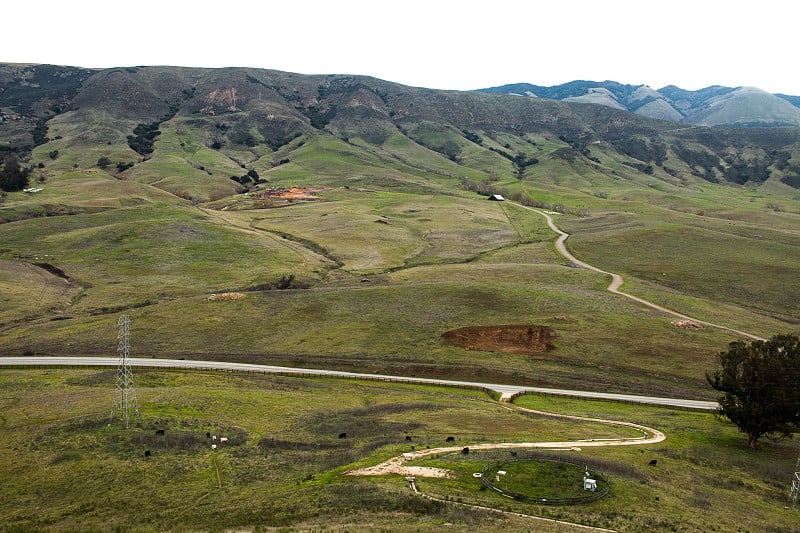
[[794, 489], [124, 393]]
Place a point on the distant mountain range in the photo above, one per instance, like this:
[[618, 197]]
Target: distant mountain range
[[712, 106]]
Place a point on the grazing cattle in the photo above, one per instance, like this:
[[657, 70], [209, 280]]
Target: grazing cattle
[[213, 446], [223, 439], [208, 434], [408, 438], [654, 462], [147, 453], [465, 451], [159, 432], [450, 439], [513, 454], [342, 435], [213, 437]]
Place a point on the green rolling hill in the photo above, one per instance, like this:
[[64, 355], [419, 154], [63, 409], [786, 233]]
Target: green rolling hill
[[163, 186]]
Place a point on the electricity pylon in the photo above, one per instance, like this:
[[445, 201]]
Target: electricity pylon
[[124, 393]]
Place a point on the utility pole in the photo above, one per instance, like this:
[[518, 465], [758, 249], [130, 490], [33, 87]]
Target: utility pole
[[124, 393]]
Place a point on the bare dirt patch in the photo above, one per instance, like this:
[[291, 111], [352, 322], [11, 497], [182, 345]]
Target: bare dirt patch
[[687, 324], [525, 340], [226, 296], [292, 194], [268, 198], [396, 465]]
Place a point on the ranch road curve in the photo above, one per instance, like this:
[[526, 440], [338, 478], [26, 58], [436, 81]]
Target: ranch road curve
[[617, 281], [506, 392]]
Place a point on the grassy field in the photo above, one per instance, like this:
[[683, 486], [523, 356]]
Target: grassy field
[[390, 272], [395, 250], [701, 471], [717, 256], [284, 463], [395, 254]]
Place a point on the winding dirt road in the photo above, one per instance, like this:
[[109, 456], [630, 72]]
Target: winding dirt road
[[396, 465], [617, 281]]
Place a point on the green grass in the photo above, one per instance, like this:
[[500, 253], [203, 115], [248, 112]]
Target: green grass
[[284, 463], [395, 252], [542, 479], [151, 252], [430, 263], [723, 261], [702, 470], [19, 280]]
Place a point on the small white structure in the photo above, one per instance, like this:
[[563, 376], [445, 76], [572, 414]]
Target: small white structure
[[588, 482], [497, 198], [499, 473]]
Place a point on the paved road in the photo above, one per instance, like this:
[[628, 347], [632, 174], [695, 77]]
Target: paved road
[[506, 391], [616, 280]]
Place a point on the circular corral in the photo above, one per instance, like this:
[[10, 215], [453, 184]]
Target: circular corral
[[545, 481]]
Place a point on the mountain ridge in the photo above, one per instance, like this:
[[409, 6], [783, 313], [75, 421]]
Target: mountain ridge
[[715, 105], [195, 132]]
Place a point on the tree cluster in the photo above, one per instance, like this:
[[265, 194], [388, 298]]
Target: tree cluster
[[143, 137], [13, 177], [250, 177]]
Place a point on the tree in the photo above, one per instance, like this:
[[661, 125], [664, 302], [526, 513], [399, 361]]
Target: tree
[[761, 386], [13, 177], [103, 162]]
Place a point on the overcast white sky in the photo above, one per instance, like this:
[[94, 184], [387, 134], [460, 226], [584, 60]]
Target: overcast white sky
[[442, 44]]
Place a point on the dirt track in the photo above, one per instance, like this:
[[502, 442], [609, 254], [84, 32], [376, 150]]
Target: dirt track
[[396, 465], [617, 281]]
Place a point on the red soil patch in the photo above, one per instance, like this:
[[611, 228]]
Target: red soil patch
[[289, 193], [526, 340]]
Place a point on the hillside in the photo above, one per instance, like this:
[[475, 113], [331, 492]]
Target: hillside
[[712, 106], [163, 188]]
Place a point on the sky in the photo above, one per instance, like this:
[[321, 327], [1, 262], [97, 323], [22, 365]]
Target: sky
[[439, 44]]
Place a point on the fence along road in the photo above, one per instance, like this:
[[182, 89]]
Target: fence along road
[[506, 391]]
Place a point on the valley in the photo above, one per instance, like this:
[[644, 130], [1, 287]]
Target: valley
[[343, 223]]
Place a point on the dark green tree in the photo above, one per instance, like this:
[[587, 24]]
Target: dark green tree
[[761, 386], [13, 177], [103, 162]]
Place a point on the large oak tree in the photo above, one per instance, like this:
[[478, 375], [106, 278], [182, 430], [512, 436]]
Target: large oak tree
[[761, 386]]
